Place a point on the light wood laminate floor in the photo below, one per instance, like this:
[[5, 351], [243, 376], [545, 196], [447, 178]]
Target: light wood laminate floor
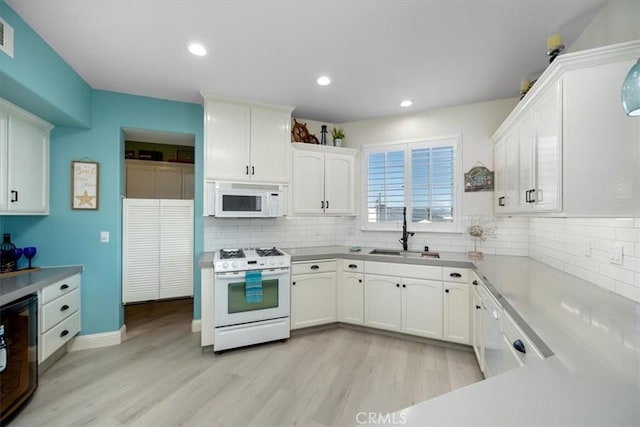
[[159, 376]]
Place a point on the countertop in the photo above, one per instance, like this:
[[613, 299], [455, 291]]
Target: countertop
[[16, 287], [592, 376]]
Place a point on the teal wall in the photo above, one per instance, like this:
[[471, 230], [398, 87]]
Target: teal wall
[[73, 237], [39, 80]]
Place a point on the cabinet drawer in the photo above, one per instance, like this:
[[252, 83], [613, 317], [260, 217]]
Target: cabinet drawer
[[59, 288], [60, 308], [460, 275], [313, 267], [411, 271], [352, 266], [57, 336], [512, 333]]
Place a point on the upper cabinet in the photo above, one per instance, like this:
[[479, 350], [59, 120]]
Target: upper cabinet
[[246, 142], [322, 180], [24, 162], [568, 149]]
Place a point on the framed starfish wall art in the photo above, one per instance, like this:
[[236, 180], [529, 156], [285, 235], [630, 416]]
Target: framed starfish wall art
[[84, 185]]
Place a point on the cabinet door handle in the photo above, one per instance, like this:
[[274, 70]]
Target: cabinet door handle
[[327, 204], [397, 285], [359, 280], [404, 286], [456, 275], [14, 196], [475, 282], [253, 170], [247, 170], [446, 290], [64, 333], [519, 345], [532, 198], [353, 266], [501, 201], [64, 286], [294, 283], [322, 204], [526, 197], [478, 307], [314, 267], [64, 308]]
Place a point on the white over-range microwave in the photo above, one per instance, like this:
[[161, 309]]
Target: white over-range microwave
[[245, 200]]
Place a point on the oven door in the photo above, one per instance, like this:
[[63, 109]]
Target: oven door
[[231, 306]]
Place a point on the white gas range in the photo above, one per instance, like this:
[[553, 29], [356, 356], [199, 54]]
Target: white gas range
[[251, 294]]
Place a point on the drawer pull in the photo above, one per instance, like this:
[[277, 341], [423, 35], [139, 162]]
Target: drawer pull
[[353, 266], [478, 307], [64, 308], [456, 275], [64, 333], [519, 345], [314, 267], [64, 286], [475, 282], [446, 290]]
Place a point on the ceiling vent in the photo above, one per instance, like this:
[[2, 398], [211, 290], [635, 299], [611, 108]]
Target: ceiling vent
[[6, 38]]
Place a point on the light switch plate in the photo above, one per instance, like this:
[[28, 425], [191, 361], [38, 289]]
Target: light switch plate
[[104, 237], [615, 254]]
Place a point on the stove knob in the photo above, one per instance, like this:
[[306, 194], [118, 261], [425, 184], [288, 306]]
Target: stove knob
[[272, 262], [225, 264], [234, 264], [280, 262]]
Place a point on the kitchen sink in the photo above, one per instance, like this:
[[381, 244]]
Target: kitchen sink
[[405, 253]]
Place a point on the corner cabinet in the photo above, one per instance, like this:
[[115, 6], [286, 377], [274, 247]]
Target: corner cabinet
[[246, 141], [568, 149], [323, 180], [24, 162]]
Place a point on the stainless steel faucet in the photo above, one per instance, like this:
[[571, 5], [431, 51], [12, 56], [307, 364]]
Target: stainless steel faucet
[[405, 233]]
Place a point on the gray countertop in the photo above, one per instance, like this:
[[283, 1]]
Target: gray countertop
[[593, 336], [15, 287]]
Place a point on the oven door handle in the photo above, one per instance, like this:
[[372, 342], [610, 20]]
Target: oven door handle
[[265, 273]]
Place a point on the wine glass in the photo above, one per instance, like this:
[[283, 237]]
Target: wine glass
[[29, 252], [17, 254]]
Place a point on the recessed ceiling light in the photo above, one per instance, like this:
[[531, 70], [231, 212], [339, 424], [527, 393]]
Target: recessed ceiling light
[[323, 80], [406, 103], [197, 49]]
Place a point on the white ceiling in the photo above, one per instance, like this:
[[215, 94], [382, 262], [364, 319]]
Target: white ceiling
[[437, 53]]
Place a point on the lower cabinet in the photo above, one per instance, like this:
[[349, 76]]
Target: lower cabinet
[[457, 325], [351, 293], [313, 294], [476, 326], [382, 302], [59, 315], [422, 308]]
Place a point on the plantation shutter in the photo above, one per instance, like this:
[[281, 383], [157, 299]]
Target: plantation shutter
[[386, 186]]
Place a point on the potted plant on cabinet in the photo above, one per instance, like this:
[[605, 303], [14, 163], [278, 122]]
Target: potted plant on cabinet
[[338, 136]]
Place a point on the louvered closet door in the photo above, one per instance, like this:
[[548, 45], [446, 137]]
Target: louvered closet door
[[140, 254], [176, 248]]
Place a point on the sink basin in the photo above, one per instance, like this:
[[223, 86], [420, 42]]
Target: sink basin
[[405, 253], [384, 252]]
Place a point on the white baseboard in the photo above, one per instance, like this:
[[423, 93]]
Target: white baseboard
[[103, 339], [196, 325]]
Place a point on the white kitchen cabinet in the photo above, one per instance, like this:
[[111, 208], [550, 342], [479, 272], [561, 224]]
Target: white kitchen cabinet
[[157, 254], [59, 315], [351, 292], [577, 151], [246, 142], [24, 162], [313, 294], [382, 302], [158, 180], [323, 180], [456, 313], [422, 308], [476, 324]]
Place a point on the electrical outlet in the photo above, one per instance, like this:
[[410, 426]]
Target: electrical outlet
[[104, 237], [615, 254], [587, 247]]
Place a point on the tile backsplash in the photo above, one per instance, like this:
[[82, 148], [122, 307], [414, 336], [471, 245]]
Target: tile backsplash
[[296, 232], [581, 246]]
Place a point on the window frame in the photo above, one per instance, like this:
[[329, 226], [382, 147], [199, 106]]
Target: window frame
[[454, 141]]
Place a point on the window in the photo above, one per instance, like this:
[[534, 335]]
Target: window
[[423, 176]]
